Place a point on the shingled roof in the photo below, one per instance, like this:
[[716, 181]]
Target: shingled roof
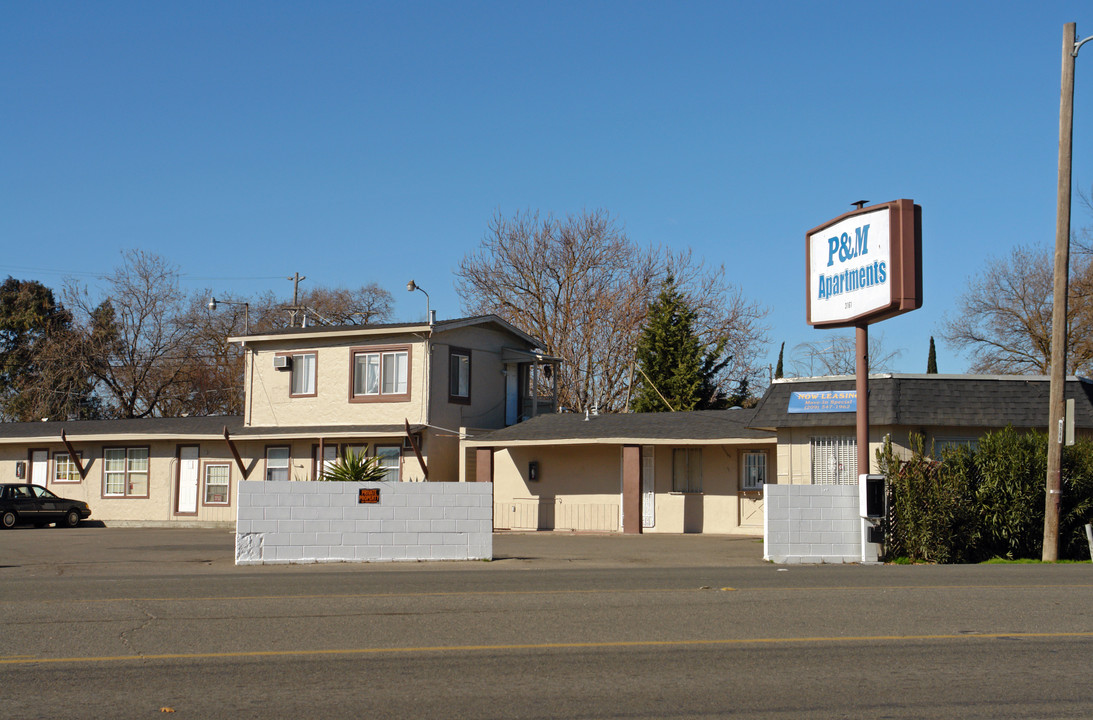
[[181, 427], [939, 400], [698, 427]]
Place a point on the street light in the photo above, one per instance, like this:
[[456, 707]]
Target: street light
[[410, 287], [213, 302]]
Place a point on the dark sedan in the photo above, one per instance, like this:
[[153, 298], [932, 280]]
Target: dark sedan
[[21, 503]]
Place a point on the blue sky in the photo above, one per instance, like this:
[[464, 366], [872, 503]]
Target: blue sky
[[372, 142]]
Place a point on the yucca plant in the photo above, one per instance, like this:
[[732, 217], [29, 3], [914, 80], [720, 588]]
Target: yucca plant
[[355, 467]]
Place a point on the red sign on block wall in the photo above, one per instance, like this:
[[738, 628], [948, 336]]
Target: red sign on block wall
[[368, 495]]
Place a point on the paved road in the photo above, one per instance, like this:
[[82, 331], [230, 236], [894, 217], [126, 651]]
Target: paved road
[[103, 622]]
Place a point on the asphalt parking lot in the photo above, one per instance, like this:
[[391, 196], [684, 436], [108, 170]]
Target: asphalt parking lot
[[93, 549]]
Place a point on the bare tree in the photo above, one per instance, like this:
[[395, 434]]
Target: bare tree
[[1003, 320], [835, 354], [140, 347], [342, 306], [582, 287]]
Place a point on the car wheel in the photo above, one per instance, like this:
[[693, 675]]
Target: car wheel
[[7, 519], [72, 518]]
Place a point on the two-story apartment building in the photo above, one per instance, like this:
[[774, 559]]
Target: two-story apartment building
[[402, 392]]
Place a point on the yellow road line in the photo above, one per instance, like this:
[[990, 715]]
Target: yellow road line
[[23, 660]]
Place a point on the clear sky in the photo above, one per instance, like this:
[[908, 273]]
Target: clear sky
[[358, 142]]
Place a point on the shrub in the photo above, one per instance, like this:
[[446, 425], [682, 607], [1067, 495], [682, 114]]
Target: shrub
[[988, 502], [354, 467]]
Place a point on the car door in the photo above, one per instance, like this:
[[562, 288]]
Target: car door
[[50, 507], [25, 503]]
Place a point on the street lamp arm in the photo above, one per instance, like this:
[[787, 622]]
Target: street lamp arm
[[1078, 46]]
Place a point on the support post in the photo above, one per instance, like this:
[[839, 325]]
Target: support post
[[631, 489], [75, 457], [861, 386], [1053, 490]]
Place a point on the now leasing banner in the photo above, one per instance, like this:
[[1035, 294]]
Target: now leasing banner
[[823, 401]]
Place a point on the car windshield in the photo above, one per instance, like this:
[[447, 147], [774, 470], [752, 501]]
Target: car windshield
[[42, 492]]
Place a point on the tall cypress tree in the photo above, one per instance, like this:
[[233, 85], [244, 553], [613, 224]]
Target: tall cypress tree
[[675, 371], [778, 369], [931, 362]]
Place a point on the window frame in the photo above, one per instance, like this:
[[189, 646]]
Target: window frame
[[380, 395], [454, 378], [74, 470], [843, 449], [397, 468], [692, 467], [293, 374], [288, 462], [128, 472], [205, 483], [746, 482]]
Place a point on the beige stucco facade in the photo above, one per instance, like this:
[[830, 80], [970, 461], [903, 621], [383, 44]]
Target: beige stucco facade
[[580, 488], [186, 470]]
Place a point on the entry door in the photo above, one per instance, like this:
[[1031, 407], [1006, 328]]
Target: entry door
[[648, 487], [187, 479], [39, 467]]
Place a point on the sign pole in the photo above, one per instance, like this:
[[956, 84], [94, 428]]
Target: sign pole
[[861, 386]]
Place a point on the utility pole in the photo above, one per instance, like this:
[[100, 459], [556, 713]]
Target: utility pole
[[296, 278], [1056, 412]]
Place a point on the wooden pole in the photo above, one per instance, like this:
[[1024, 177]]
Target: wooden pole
[[1053, 494]]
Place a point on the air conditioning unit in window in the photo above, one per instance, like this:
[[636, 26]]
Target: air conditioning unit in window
[[282, 362]]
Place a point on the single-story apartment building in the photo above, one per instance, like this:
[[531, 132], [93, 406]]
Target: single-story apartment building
[[672, 472]]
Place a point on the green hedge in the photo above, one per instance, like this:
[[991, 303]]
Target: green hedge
[[976, 504]]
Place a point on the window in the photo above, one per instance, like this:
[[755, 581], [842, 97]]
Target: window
[[834, 460], [303, 375], [755, 471], [687, 470], [381, 374], [459, 376], [125, 472], [64, 468], [942, 444], [390, 457], [217, 483], [278, 460]]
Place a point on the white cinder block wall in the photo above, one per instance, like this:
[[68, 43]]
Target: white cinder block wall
[[306, 522], [812, 524]]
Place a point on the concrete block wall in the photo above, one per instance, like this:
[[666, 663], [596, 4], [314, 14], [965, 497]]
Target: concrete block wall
[[812, 524], [308, 522]]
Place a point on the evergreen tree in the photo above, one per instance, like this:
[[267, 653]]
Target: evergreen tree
[[675, 371], [931, 363], [778, 369]]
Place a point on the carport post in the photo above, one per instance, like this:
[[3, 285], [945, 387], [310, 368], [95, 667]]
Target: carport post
[[631, 489], [483, 467]]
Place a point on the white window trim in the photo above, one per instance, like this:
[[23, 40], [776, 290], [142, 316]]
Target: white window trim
[[834, 460], [746, 482], [301, 361], [227, 484], [67, 460]]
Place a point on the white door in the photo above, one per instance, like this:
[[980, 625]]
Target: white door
[[39, 467], [648, 488], [188, 479]]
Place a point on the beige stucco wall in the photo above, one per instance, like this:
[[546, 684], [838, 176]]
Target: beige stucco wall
[[270, 404], [487, 406], [160, 504], [795, 448], [579, 488]]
